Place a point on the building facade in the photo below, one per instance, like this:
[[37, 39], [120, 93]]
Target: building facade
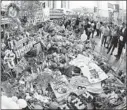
[[58, 4], [113, 10]]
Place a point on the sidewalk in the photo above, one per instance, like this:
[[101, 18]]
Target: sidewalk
[[116, 65]]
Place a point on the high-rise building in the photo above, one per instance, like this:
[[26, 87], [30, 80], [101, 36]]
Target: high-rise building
[[113, 10], [58, 4]]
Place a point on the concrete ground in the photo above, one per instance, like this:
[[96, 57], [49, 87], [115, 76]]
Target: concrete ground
[[115, 64]]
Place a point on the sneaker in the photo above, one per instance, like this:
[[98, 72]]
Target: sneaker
[[116, 55], [117, 58]]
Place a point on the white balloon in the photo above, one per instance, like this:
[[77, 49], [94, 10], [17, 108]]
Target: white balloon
[[3, 107], [4, 100], [22, 103], [8, 103], [121, 38], [14, 98], [84, 37], [13, 105]]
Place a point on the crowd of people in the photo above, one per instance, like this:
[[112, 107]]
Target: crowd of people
[[42, 64], [113, 35]]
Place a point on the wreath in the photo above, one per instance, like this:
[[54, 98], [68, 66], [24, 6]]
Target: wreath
[[14, 7]]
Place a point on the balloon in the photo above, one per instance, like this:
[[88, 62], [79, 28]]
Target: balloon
[[14, 98], [8, 103], [22, 103], [13, 105], [37, 107], [83, 37], [121, 38]]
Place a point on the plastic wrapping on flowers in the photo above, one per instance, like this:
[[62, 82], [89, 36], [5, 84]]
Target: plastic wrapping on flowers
[[39, 74]]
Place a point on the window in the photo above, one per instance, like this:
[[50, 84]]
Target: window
[[43, 5], [110, 6], [117, 7]]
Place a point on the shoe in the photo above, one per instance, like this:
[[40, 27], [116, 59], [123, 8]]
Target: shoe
[[116, 55], [117, 58]]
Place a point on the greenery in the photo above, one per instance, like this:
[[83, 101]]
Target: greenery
[[30, 7]]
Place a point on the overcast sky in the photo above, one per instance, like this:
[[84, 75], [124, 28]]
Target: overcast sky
[[78, 4], [91, 4]]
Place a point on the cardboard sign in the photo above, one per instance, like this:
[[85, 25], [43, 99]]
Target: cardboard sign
[[21, 52]]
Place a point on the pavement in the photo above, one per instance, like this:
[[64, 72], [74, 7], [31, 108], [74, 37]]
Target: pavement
[[111, 59]]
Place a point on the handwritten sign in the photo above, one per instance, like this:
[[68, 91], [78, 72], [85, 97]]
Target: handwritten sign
[[21, 52]]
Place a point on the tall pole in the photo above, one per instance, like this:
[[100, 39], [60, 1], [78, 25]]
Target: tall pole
[[61, 3], [118, 3], [98, 8], [122, 11]]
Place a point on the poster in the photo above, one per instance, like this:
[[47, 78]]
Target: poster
[[89, 69], [60, 87]]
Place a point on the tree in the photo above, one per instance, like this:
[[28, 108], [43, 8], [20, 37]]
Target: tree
[[30, 7]]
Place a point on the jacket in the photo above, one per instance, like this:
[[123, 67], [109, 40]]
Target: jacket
[[124, 34], [106, 31]]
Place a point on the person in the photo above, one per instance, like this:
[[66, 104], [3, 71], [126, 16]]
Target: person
[[69, 30], [111, 30], [93, 28], [98, 28], [122, 40], [105, 34], [61, 27], [73, 24], [87, 28], [77, 21], [114, 40], [68, 22], [81, 28], [101, 28]]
